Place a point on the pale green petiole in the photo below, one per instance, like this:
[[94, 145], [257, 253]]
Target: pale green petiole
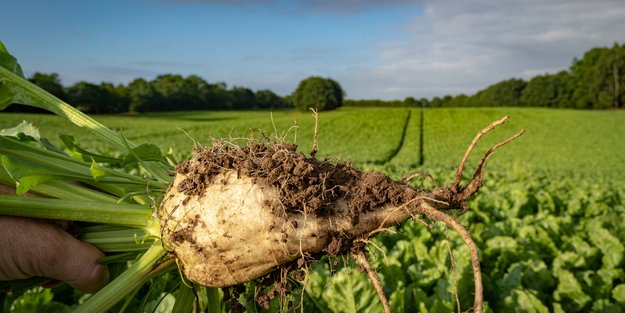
[[96, 212], [65, 164], [119, 240], [131, 279], [63, 190], [185, 298]]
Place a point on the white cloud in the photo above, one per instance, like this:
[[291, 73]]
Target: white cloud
[[463, 46]]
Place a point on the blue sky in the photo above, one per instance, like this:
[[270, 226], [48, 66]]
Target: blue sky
[[375, 49]]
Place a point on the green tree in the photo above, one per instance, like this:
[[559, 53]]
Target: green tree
[[97, 99], [504, 93], [242, 98], [411, 102], [318, 93], [196, 92], [598, 78], [217, 96], [616, 69], [173, 93], [548, 91], [113, 98], [460, 100], [142, 96], [436, 102], [267, 99]]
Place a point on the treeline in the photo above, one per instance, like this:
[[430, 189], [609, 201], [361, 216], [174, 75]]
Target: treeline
[[167, 92], [597, 81], [593, 82]]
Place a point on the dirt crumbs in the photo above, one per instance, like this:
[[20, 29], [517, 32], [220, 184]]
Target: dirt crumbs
[[305, 183]]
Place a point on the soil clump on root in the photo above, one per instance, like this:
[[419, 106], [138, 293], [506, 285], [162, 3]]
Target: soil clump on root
[[305, 183]]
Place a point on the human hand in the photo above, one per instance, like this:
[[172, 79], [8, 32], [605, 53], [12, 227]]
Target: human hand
[[34, 247]]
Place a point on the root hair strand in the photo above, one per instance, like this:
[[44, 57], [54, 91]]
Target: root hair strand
[[362, 259]]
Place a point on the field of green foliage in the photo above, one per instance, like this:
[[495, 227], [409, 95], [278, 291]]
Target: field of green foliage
[[548, 221]]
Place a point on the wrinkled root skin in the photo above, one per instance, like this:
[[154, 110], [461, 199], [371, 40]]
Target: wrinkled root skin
[[229, 235]]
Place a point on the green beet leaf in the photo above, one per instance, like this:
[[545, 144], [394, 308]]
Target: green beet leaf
[[79, 153], [618, 293], [605, 306], [524, 301], [9, 62], [612, 249], [351, 291], [26, 177], [569, 292], [144, 152], [397, 299]]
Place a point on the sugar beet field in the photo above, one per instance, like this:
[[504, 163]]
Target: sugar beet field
[[548, 222]]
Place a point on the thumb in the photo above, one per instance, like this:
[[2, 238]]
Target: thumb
[[76, 263], [38, 248]]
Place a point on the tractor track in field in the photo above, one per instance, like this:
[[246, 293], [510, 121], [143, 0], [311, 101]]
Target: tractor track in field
[[421, 136], [420, 160], [401, 141]]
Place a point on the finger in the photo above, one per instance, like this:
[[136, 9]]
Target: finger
[[38, 248], [75, 263], [83, 271]]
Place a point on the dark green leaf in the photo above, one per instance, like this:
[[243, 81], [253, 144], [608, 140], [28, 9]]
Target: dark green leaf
[[511, 279], [397, 299], [523, 301], [25, 177], [79, 153], [537, 276], [440, 306], [50, 146], [144, 152], [9, 62]]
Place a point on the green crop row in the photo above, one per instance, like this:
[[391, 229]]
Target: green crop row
[[567, 142]]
